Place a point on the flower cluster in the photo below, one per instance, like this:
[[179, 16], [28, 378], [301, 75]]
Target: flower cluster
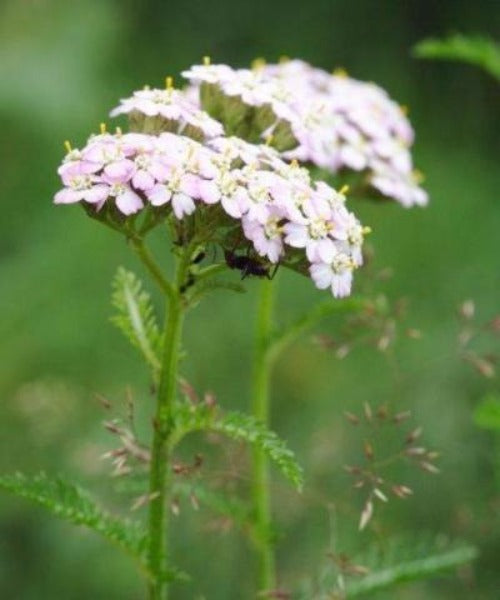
[[155, 110], [332, 121], [250, 105], [270, 207]]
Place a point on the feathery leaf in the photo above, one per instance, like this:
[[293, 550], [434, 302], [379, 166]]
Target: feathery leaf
[[191, 417], [135, 316], [70, 503], [399, 560]]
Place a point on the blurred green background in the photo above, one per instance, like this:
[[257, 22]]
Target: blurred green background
[[63, 65]]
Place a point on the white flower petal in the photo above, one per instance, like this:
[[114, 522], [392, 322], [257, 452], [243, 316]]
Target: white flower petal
[[321, 274]]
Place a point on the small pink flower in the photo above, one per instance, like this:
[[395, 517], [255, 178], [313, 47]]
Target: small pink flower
[[335, 274], [318, 229], [208, 73], [404, 188], [73, 163], [180, 189], [108, 153], [80, 188], [266, 237], [127, 201], [226, 188], [233, 148], [149, 169]]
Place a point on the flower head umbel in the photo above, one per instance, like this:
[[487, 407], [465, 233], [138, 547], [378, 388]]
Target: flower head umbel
[[155, 110], [330, 120], [249, 103], [248, 199]]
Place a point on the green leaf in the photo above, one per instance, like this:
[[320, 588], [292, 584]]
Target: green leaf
[[398, 560], [410, 561], [487, 413], [240, 427], [70, 503], [135, 316], [477, 50]]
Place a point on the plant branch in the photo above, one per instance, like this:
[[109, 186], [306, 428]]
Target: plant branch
[[149, 262], [324, 309]]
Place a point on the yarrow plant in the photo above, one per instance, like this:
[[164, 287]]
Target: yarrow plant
[[245, 166]]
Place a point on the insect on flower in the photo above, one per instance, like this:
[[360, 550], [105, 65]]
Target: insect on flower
[[248, 265]]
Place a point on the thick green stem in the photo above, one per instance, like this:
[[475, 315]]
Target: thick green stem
[[163, 423], [260, 410]]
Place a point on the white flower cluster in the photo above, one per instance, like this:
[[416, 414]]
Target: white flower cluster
[[286, 217], [154, 110], [337, 122]]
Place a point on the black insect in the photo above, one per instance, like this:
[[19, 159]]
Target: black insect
[[198, 257], [187, 284], [246, 265]]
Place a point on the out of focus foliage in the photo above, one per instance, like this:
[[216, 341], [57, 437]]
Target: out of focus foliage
[[487, 413], [479, 51], [63, 66]]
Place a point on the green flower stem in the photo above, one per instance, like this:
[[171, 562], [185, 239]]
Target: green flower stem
[[163, 425], [267, 347], [260, 410], [147, 259]]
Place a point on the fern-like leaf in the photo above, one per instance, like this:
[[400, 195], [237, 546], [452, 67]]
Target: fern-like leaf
[[240, 427], [400, 560], [70, 503], [135, 316], [479, 51], [410, 560]]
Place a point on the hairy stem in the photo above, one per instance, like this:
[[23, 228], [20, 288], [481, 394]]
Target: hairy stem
[[158, 557], [260, 410]]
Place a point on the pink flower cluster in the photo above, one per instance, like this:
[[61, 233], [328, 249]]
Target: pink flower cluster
[[133, 169], [286, 217], [338, 122]]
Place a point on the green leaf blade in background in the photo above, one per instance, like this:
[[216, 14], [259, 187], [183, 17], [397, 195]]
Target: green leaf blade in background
[[475, 50], [418, 568], [487, 413], [402, 559]]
